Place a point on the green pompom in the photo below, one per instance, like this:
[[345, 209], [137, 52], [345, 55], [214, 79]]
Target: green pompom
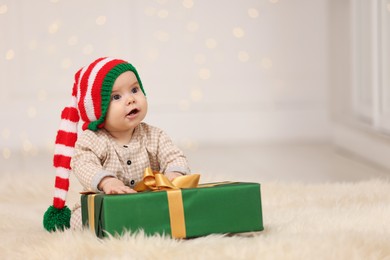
[[56, 219]]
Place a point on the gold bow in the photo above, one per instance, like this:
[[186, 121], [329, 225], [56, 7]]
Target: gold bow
[[158, 181], [154, 180]]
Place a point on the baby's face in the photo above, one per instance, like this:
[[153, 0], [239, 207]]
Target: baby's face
[[128, 105]]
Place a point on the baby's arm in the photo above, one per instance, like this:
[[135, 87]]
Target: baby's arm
[[172, 160]]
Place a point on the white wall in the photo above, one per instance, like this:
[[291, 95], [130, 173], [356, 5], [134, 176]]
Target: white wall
[[214, 71], [359, 107]]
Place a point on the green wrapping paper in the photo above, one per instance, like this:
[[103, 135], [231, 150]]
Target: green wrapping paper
[[224, 208]]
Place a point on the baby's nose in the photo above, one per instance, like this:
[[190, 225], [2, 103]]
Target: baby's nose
[[130, 99]]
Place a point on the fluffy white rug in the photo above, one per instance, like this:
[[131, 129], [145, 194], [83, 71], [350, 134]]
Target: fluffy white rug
[[316, 221]]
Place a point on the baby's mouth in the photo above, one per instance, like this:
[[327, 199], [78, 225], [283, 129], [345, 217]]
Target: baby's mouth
[[133, 112]]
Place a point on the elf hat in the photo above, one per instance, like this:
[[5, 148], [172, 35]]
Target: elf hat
[[91, 96]]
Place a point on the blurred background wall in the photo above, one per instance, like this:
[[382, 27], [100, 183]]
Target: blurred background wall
[[226, 72]]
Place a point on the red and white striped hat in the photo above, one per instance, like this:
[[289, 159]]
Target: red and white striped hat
[[91, 96]]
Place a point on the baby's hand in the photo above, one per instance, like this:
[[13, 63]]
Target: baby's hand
[[111, 185], [172, 175]]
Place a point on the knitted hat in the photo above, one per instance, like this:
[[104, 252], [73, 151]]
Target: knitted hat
[[91, 96]]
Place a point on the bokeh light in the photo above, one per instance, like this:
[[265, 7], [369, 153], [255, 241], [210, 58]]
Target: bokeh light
[[188, 3], [163, 13], [101, 20], [66, 63], [32, 112], [10, 54], [192, 26], [162, 36], [150, 11], [88, 49], [211, 43], [6, 153], [5, 134], [42, 95], [27, 145], [243, 56], [238, 32], [253, 13], [33, 45], [73, 40], [266, 63], [204, 73], [54, 27], [3, 9], [196, 94]]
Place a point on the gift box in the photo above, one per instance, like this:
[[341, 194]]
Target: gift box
[[180, 213]]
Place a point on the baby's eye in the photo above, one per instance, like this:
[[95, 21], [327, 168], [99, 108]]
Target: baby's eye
[[115, 97], [134, 90]]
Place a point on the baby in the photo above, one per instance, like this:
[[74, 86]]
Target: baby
[[115, 147]]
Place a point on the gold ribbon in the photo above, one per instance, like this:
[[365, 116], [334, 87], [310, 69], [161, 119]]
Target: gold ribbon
[[176, 214], [158, 181], [91, 212]]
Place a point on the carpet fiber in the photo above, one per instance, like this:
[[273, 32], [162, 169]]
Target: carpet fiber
[[302, 221]]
